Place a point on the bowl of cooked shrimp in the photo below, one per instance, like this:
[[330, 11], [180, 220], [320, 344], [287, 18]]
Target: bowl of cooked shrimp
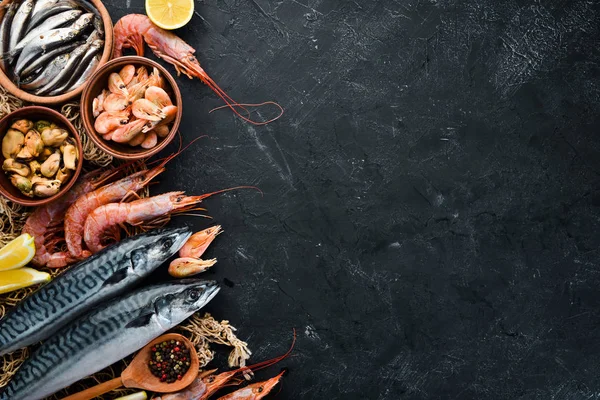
[[131, 108]]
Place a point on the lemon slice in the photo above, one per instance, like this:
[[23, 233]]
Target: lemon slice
[[170, 14], [20, 278], [17, 253]]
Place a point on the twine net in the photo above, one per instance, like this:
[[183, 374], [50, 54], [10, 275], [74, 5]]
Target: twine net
[[201, 330]]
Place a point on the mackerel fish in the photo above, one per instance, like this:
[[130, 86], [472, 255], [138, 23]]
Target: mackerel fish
[[102, 276], [109, 333]]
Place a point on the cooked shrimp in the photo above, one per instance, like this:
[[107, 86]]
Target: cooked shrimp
[[255, 391], [109, 121], [98, 103], [137, 140], [84, 205], [150, 140], [127, 132], [170, 112], [116, 84], [161, 130], [158, 96], [115, 102], [43, 221], [188, 266], [127, 73], [145, 109], [197, 244], [133, 30]]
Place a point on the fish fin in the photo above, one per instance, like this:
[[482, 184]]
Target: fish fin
[[117, 277], [142, 320]]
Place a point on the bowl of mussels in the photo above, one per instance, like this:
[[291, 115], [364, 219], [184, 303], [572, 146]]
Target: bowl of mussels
[[50, 48], [41, 156]]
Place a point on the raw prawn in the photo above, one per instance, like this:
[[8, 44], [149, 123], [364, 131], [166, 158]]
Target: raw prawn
[[84, 205], [44, 220], [156, 209], [255, 391], [133, 30]]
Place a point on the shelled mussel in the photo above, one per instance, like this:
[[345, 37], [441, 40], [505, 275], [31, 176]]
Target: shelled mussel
[[39, 157], [50, 47]]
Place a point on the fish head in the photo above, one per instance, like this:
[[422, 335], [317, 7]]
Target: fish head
[[156, 247], [83, 21], [184, 298]]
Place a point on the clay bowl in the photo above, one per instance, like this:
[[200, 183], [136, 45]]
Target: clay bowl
[[8, 84], [35, 113], [99, 81]]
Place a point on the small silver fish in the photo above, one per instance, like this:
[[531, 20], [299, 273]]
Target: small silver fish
[[87, 73], [50, 40], [47, 8], [48, 73], [107, 334], [43, 59], [5, 34], [19, 23], [53, 22], [82, 65], [102, 276], [67, 71]]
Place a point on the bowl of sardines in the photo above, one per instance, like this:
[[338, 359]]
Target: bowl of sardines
[[50, 48]]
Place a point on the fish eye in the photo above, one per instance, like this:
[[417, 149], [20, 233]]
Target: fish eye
[[167, 244], [194, 295]]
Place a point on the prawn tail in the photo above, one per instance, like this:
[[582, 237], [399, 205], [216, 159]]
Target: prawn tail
[[232, 104]]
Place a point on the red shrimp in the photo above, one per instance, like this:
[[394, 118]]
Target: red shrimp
[[133, 30], [255, 391], [157, 209], [42, 223], [84, 205]]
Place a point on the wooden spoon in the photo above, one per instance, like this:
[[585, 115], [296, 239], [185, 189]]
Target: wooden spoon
[[137, 374]]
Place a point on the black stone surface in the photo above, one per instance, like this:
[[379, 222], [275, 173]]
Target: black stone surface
[[430, 216]]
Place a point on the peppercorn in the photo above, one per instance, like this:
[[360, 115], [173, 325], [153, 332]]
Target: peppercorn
[[169, 361]]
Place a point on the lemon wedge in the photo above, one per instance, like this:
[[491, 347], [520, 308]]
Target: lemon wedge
[[170, 14], [20, 278], [17, 253]]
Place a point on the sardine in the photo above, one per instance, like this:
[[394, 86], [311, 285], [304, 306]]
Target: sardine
[[48, 73], [89, 7], [102, 276], [81, 66], [19, 23], [89, 70], [44, 9], [53, 22], [107, 334], [63, 77], [5, 33], [43, 59], [50, 40]]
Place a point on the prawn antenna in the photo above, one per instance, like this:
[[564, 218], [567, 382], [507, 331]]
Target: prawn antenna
[[243, 105]]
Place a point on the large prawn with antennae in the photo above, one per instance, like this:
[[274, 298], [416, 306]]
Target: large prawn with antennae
[[133, 30]]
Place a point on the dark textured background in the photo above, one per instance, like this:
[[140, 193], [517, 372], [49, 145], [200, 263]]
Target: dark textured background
[[430, 215]]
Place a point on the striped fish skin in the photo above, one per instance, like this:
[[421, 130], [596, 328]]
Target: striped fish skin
[[104, 275], [104, 336]]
